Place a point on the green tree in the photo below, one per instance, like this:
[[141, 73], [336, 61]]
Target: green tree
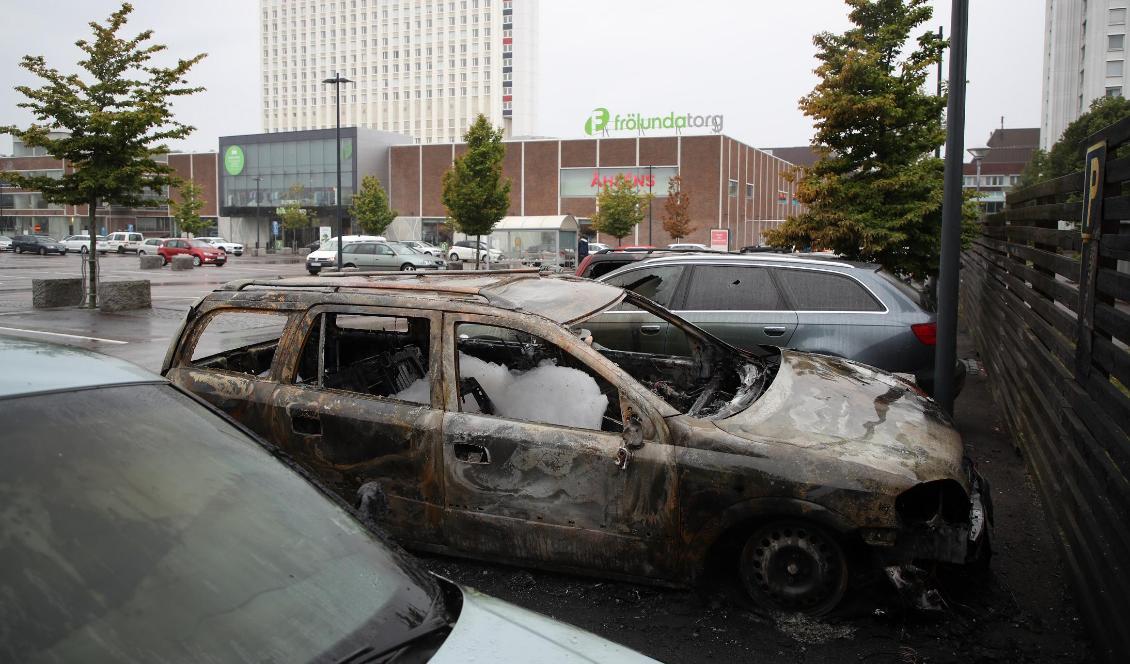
[[186, 211], [370, 207], [676, 210], [292, 216], [619, 208], [875, 194], [117, 119], [1066, 156], [474, 192]]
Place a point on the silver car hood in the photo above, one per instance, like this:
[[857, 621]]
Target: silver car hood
[[855, 413], [490, 630]]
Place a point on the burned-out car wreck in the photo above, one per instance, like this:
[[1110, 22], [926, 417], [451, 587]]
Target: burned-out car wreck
[[474, 414]]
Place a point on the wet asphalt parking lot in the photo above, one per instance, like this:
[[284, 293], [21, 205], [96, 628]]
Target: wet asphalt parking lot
[[1021, 611]]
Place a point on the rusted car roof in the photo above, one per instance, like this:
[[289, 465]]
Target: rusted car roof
[[563, 299]]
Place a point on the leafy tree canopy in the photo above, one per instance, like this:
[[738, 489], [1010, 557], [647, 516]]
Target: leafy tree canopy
[[876, 192], [186, 211], [619, 208], [1066, 156], [676, 210], [474, 192], [370, 206]]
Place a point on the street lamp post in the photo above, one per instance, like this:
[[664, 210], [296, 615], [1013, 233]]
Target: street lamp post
[[978, 155], [257, 179], [336, 81]]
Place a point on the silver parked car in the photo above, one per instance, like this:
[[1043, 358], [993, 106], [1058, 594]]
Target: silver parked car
[[388, 256], [422, 247], [813, 303], [214, 551]]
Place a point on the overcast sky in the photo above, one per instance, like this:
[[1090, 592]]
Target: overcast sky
[[747, 60]]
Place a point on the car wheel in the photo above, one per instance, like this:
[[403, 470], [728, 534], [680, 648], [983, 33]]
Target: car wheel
[[313, 273], [220, 263], [164, 261], [83, 250], [350, 265], [454, 257], [140, 252], [408, 267], [196, 261], [42, 251], [121, 249], [794, 566]]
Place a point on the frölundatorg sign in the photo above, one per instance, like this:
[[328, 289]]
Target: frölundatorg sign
[[603, 120]]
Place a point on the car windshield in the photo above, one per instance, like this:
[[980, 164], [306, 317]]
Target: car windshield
[[200, 243], [696, 373], [112, 543]]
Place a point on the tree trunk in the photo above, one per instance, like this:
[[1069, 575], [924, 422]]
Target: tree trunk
[[92, 257], [478, 245]]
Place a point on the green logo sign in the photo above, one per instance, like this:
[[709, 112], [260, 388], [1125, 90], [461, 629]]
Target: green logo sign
[[233, 160], [597, 121], [346, 149]]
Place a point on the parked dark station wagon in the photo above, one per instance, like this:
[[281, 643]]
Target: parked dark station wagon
[[474, 414]]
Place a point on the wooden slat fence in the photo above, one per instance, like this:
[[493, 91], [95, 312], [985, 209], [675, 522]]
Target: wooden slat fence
[[1046, 294]]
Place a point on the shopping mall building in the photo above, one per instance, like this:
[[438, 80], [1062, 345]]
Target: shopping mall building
[[731, 186]]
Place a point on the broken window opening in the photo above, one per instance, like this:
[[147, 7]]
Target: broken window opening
[[240, 341], [516, 375], [375, 355]]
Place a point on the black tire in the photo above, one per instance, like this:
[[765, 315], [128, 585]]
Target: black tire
[[313, 273], [42, 251], [349, 265], [196, 261], [121, 249], [454, 257], [140, 252], [220, 263], [794, 566], [164, 261], [408, 267]]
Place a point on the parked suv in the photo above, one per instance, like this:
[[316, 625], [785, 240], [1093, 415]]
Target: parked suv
[[37, 244], [816, 304], [123, 241]]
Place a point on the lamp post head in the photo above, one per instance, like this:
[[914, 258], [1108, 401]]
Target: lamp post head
[[978, 153], [337, 79]]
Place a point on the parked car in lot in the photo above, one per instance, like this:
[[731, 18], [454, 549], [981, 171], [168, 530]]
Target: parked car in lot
[[600, 263], [5, 243], [150, 246], [38, 244], [424, 247], [202, 253], [597, 246], [816, 304], [228, 247], [688, 245], [122, 242], [182, 537], [464, 250], [81, 243], [388, 256], [475, 414], [326, 254]]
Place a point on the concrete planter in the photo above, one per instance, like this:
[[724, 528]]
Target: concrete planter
[[182, 262], [151, 262], [124, 295], [47, 293]]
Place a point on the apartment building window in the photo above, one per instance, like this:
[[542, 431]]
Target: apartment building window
[[970, 181], [1114, 68], [1115, 42], [732, 190], [1114, 91], [1117, 16]]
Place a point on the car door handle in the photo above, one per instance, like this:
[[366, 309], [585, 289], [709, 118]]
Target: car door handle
[[650, 329], [305, 422], [774, 330], [468, 453]]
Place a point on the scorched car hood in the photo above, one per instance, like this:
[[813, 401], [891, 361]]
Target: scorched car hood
[[855, 413]]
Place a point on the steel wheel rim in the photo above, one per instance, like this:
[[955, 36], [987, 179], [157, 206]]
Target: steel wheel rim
[[795, 567], [407, 268]]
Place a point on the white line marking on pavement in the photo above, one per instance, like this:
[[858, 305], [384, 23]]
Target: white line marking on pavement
[[60, 334], [17, 313]]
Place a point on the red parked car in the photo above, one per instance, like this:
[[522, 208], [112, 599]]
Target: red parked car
[[201, 251]]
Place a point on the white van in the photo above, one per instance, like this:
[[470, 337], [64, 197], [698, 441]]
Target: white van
[[326, 255], [123, 241]]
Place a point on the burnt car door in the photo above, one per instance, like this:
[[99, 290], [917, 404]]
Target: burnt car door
[[550, 456], [354, 405], [629, 328], [227, 355]]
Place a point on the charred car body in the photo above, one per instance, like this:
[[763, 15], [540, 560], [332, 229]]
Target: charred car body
[[475, 415]]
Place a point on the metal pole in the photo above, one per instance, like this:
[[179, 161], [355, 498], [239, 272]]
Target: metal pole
[[649, 182], [941, 36], [945, 353], [257, 178], [337, 195]]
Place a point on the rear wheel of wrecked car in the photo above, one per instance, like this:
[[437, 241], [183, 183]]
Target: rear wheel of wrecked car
[[794, 566]]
